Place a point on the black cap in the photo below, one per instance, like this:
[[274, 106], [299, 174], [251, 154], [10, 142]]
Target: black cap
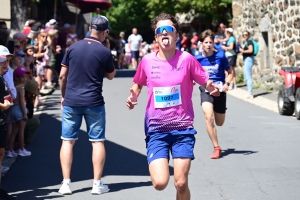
[[100, 23]]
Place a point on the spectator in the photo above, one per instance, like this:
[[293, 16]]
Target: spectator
[[120, 46], [42, 58], [63, 36], [155, 46], [248, 59], [71, 37], [230, 54], [194, 42], [219, 36], [184, 42], [53, 51], [31, 91], [4, 105], [81, 79], [127, 54], [18, 115], [135, 45], [29, 59], [52, 24], [27, 27], [3, 26]]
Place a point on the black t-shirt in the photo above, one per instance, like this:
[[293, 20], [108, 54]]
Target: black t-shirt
[[245, 55], [3, 93], [87, 61]]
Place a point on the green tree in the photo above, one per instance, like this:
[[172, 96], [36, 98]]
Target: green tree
[[126, 14]]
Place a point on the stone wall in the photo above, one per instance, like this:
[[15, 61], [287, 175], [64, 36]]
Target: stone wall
[[275, 25]]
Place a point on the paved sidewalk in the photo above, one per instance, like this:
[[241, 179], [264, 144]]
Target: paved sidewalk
[[262, 98]]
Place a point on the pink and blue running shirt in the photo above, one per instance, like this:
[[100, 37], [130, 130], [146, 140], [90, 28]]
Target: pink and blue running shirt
[[170, 87]]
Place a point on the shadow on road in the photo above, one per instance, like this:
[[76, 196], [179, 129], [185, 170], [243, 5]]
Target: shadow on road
[[30, 175], [233, 151]]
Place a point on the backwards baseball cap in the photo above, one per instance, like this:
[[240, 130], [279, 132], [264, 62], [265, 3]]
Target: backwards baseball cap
[[20, 71], [229, 30], [52, 22], [100, 23]]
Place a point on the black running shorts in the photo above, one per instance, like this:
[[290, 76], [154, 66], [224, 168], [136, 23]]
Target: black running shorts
[[219, 102]]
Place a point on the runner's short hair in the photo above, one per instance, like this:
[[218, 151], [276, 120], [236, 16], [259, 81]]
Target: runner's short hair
[[205, 34], [165, 16]]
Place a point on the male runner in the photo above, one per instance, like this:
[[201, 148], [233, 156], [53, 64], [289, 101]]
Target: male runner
[[214, 108], [169, 74]]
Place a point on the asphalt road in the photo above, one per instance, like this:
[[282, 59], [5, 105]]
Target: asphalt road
[[260, 155]]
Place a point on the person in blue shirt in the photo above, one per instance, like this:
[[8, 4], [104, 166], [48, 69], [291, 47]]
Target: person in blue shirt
[[214, 108], [230, 54]]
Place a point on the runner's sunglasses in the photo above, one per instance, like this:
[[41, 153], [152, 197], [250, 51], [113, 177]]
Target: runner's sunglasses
[[168, 29]]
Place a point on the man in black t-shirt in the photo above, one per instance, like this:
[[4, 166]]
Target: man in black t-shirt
[[84, 66], [4, 105]]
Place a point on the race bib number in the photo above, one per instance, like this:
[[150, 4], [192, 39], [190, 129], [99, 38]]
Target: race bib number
[[167, 96]]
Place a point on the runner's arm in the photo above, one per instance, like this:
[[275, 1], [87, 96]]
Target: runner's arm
[[137, 89]]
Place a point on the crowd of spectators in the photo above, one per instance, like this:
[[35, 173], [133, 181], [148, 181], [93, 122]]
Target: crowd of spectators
[[30, 64]]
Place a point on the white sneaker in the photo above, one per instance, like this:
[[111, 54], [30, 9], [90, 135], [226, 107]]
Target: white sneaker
[[4, 169], [230, 87], [65, 188], [48, 85], [234, 87], [11, 154], [24, 152], [99, 188]]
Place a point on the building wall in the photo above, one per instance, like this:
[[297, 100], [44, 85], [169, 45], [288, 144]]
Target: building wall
[[5, 12], [275, 25]]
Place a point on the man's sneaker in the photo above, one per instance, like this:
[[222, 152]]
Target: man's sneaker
[[11, 154], [5, 196], [4, 169], [65, 188], [99, 188], [24, 152]]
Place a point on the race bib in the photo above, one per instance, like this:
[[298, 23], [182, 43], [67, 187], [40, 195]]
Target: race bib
[[167, 96]]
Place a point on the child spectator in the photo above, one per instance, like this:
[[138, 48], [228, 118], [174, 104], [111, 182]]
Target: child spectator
[[18, 115], [71, 37], [31, 91], [29, 59]]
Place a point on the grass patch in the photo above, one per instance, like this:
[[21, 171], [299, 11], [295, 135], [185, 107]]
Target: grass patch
[[268, 88], [256, 86], [240, 78]]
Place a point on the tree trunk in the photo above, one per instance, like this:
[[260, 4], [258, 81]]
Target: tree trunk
[[18, 14]]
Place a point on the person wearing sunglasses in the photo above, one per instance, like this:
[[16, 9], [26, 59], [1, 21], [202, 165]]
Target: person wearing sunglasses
[[248, 59], [214, 108], [169, 74]]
